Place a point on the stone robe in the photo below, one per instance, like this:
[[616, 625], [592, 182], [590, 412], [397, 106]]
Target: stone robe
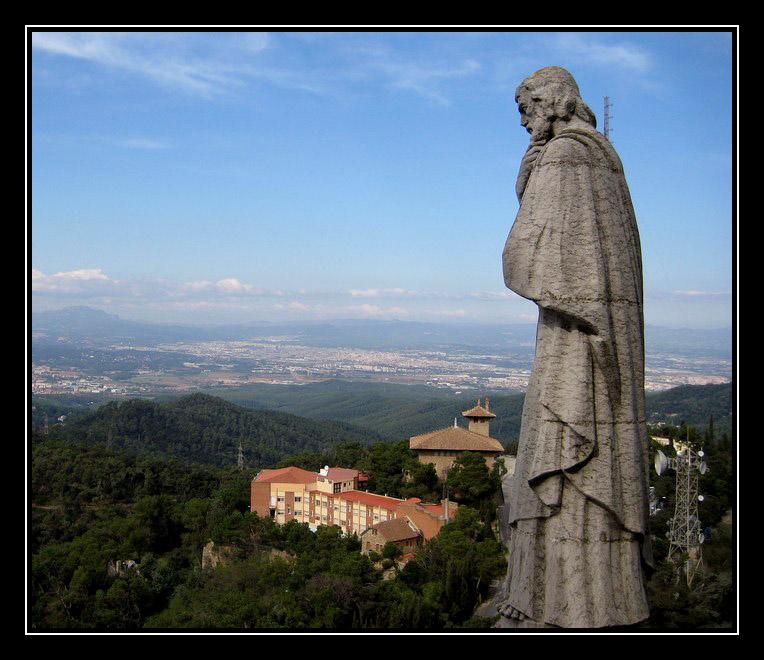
[[577, 502]]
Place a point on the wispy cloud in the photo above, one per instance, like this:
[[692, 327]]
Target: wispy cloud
[[423, 79], [167, 59], [694, 293], [208, 65], [589, 50], [68, 281], [382, 293]]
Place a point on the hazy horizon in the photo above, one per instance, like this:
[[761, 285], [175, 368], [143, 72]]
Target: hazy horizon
[[296, 322]]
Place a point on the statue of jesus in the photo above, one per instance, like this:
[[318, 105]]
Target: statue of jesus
[[578, 500]]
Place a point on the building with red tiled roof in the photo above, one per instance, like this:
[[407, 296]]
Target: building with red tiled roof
[[399, 531], [442, 446], [337, 479], [292, 493], [428, 518], [289, 474], [282, 494]]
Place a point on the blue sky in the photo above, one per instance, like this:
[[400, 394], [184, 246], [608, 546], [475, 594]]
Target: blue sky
[[228, 177]]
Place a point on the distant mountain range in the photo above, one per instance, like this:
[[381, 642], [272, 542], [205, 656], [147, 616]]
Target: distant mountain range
[[96, 326]]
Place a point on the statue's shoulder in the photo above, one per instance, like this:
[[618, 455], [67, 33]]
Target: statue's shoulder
[[574, 147]]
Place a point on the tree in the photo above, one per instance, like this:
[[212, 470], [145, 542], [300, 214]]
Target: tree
[[470, 480], [391, 551]]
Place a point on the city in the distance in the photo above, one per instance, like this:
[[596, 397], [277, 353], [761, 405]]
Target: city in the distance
[[82, 350]]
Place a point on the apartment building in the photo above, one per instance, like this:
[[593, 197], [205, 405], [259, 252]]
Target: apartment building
[[329, 497]]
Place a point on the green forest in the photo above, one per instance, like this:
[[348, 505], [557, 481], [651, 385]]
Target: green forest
[[153, 482], [203, 429], [363, 412]]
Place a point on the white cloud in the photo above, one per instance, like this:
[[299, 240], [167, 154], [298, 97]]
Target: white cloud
[[692, 293], [375, 310], [382, 293], [622, 55], [232, 284], [424, 78], [200, 285], [69, 281], [82, 274], [493, 295], [165, 58]]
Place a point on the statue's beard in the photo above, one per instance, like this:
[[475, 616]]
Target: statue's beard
[[540, 135]]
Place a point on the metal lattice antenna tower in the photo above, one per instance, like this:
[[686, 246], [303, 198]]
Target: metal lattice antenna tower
[[685, 535], [240, 457], [607, 117]]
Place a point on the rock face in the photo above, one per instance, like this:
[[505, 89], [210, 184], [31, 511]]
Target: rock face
[[212, 555], [576, 507]]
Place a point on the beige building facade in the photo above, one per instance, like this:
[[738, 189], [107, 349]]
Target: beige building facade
[[326, 498]]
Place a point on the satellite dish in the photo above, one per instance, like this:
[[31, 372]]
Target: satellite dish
[[701, 537], [700, 498], [661, 462], [701, 453], [703, 468]]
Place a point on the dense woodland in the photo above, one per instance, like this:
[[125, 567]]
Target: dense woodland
[[153, 482], [204, 429], [365, 412]]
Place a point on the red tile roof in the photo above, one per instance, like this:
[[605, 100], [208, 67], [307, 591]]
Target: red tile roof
[[455, 438], [479, 411], [289, 475], [369, 499], [398, 529], [341, 474], [437, 510]]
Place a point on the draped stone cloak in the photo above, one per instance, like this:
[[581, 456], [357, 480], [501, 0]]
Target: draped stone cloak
[[574, 250]]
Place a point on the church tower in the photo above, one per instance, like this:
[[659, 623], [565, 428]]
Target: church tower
[[480, 417]]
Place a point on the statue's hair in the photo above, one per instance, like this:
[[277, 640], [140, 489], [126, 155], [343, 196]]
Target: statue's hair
[[559, 89]]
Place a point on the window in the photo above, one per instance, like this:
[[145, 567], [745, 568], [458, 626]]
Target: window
[[337, 487], [298, 499]]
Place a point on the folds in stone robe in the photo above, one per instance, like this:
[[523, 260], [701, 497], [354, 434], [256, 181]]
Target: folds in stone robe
[[574, 250]]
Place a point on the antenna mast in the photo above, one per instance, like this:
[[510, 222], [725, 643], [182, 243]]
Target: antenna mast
[[685, 535], [606, 125]]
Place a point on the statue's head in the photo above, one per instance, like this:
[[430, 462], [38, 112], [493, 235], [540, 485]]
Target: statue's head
[[550, 96]]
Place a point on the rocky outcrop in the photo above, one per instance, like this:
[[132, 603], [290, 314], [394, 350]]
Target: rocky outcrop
[[214, 555]]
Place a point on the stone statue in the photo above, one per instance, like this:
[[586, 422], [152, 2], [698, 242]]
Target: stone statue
[[577, 505]]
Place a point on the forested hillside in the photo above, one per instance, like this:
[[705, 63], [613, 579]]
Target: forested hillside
[[93, 507], [205, 429], [400, 411], [693, 404]]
